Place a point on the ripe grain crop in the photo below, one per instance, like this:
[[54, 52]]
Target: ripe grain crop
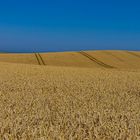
[[39, 59], [118, 59], [69, 59], [93, 59], [87, 59], [18, 58], [68, 103]]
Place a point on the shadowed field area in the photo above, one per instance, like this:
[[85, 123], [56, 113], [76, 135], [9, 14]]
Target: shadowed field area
[[74, 95]]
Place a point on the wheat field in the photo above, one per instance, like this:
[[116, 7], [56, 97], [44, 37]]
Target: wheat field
[[92, 95]]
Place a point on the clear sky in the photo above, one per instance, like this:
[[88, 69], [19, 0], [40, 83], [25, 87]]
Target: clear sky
[[69, 25]]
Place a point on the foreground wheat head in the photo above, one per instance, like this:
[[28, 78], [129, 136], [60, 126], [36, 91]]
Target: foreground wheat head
[[65, 103]]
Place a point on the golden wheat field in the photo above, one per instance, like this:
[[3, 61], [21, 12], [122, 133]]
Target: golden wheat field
[[92, 95]]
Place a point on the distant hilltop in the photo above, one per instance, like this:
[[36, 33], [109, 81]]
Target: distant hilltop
[[90, 59]]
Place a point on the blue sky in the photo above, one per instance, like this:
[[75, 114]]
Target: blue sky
[[69, 25]]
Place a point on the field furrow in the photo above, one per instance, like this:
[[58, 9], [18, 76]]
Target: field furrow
[[134, 54], [113, 55], [95, 60], [39, 59], [86, 59]]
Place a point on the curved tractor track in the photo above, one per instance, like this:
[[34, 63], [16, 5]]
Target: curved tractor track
[[39, 59], [95, 60], [134, 54], [109, 53]]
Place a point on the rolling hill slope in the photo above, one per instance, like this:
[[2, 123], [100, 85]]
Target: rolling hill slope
[[88, 95], [118, 59], [91, 59]]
